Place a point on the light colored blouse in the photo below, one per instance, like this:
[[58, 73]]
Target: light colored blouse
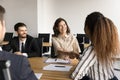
[[90, 66], [68, 43]]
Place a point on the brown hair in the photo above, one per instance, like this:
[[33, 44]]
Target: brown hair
[[56, 24], [104, 36], [2, 11]]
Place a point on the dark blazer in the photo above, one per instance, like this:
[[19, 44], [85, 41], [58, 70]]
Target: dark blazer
[[31, 46], [20, 68]]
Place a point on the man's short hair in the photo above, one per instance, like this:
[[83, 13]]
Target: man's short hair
[[2, 11], [20, 24]]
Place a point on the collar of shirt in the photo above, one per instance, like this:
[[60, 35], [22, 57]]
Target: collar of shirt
[[22, 41], [65, 36], [0, 48]]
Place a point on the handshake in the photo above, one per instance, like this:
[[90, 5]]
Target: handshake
[[71, 55]]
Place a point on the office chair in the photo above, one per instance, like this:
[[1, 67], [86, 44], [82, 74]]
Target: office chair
[[40, 42], [80, 38], [4, 70], [86, 39], [53, 52], [81, 47], [46, 38], [8, 36]]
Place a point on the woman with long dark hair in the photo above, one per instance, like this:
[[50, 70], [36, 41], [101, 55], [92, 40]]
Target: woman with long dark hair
[[97, 62]]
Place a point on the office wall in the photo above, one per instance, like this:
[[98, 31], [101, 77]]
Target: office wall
[[21, 11], [75, 12], [40, 15]]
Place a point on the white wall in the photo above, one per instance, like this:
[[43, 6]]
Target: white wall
[[40, 15], [21, 11], [75, 12]]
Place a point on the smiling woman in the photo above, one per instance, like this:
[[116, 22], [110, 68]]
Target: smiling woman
[[65, 44]]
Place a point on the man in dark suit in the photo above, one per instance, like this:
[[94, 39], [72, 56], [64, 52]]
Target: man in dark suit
[[20, 67], [23, 44]]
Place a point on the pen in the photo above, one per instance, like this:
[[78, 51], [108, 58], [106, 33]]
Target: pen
[[59, 66], [56, 59], [116, 69]]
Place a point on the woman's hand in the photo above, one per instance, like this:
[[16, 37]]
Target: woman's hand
[[68, 55]]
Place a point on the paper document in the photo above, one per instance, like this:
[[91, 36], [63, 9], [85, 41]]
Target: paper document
[[117, 65], [38, 75], [117, 56], [56, 60], [57, 67], [117, 74]]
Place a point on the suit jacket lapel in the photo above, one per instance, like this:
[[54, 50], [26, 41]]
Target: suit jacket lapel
[[27, 44], [18, 44]]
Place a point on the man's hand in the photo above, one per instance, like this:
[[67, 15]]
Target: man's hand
[[73, 55], [18, 53]]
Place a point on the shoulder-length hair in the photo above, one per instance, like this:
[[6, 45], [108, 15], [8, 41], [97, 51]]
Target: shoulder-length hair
[[56, 25], [104, 36], [2, 12]]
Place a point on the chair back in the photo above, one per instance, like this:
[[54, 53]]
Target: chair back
[[40, 42], [8, 36], [53, 52], [82, 39], [4, 70], [46, 38]]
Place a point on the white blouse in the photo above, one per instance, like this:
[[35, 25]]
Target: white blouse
[[68, 43]]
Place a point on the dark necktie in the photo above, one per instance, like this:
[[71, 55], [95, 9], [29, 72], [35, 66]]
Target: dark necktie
[[22, 48]]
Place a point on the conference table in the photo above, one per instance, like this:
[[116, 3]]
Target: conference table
[[37, 64]]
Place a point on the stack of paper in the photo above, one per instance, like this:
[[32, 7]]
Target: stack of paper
[[117, 65], [57, 67], [56, 60], [38, 75], [117, 74]]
